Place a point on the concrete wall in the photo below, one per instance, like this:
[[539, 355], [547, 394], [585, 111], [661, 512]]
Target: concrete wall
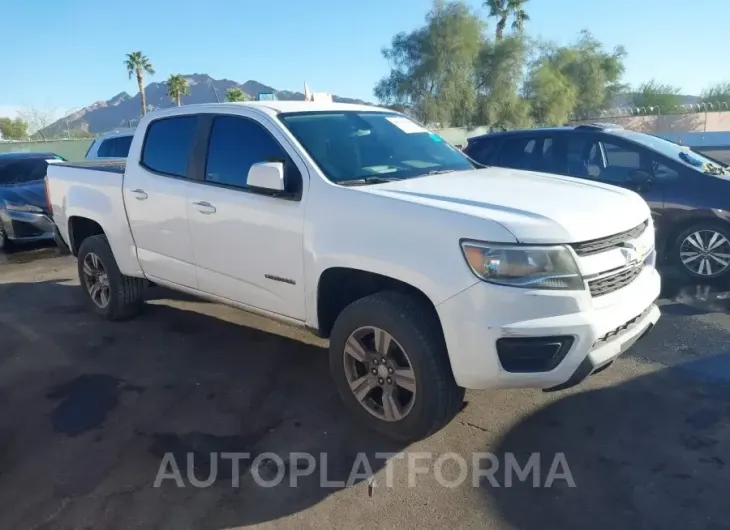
[[698, 122], [458, 135]]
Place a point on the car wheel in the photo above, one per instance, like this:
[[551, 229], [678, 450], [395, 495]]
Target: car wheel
[[391, 368], [111, 294], [702, 251]]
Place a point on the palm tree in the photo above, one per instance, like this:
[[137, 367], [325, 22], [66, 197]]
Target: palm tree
[[138, 64], [177, 87], [503, 9], [235, 94]]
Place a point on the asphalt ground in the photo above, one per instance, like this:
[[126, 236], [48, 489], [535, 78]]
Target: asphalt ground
[[90, 411]]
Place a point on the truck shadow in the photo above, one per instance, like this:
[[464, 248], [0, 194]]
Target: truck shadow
[[90, 411], [687, 298], [652, 452]]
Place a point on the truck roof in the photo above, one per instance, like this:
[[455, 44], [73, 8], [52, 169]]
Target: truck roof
[[271, 107]]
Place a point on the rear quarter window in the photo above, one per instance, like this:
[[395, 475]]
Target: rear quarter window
[[106, 148], [168, 143], [122, 145]]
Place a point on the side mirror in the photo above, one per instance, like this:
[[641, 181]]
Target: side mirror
[[266, 176]]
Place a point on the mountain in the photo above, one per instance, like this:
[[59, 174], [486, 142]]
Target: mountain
[[123, 109]]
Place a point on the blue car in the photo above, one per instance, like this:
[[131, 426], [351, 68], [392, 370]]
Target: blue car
[[24, 213]]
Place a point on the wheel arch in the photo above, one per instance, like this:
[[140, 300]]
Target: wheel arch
[[338, 287], [81, 228]]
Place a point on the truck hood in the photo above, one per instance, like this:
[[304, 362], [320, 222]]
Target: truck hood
[[534, 207]]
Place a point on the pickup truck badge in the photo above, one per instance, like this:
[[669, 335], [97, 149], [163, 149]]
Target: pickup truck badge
[[279, 279]]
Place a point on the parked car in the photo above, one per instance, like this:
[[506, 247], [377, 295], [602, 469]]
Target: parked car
[[428, 274], [114, 144], [688, 192], [23, 206]]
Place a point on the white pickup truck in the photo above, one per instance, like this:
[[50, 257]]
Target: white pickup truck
[[428, 273]]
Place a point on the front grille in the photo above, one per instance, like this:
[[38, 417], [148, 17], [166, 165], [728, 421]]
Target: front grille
[[595, 246], [609, 284]]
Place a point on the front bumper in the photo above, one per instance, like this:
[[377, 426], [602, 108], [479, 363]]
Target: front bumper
[[26, 226], [598, 329]]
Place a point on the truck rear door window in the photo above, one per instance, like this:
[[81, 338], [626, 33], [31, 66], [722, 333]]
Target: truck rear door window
[[168, 144]]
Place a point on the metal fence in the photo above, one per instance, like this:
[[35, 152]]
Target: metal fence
[[622, 112], [73, 150]]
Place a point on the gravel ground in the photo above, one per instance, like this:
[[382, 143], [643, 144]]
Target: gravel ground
[[89, 410]]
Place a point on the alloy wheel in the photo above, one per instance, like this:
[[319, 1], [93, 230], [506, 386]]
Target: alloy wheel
[[379, 373], [96, 280], [705, 253]]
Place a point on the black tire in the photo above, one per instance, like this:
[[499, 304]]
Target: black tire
[[676, 259], [4, 241], [418, 331], [126, 295]]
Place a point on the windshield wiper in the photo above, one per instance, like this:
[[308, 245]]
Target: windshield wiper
[[367, 180], [439, 172]]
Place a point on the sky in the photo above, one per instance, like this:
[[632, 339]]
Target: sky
[[61, 56]]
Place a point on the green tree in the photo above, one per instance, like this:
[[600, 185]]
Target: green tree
[[657, 97], [552, 95], [717, 95], [177, 87], [235, 94], [138, 64], [16, 129], [498, 73], [593, 71], [503, 9], [432, 67]]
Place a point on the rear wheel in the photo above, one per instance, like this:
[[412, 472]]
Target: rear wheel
[[390, 365], [702, 251], [111, 294]]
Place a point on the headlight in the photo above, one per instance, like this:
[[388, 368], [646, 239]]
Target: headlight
[[27, 208], [550, 267]]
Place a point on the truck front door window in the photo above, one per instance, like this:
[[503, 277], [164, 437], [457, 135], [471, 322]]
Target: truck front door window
[[235, 145]]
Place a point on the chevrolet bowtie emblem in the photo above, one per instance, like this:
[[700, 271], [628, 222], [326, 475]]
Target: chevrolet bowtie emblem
[[632, 252]]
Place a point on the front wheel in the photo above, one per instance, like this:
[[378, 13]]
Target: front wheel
[[4, 242], [702, 251], [390, 365], [110, 294]]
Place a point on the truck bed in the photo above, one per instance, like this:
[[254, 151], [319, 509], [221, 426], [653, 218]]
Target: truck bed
[[110, 166]]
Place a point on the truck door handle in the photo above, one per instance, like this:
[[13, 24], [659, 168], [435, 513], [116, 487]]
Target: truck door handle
[[204, 207], [138, 194]]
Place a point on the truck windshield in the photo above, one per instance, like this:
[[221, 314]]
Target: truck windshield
[[372, 146]]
